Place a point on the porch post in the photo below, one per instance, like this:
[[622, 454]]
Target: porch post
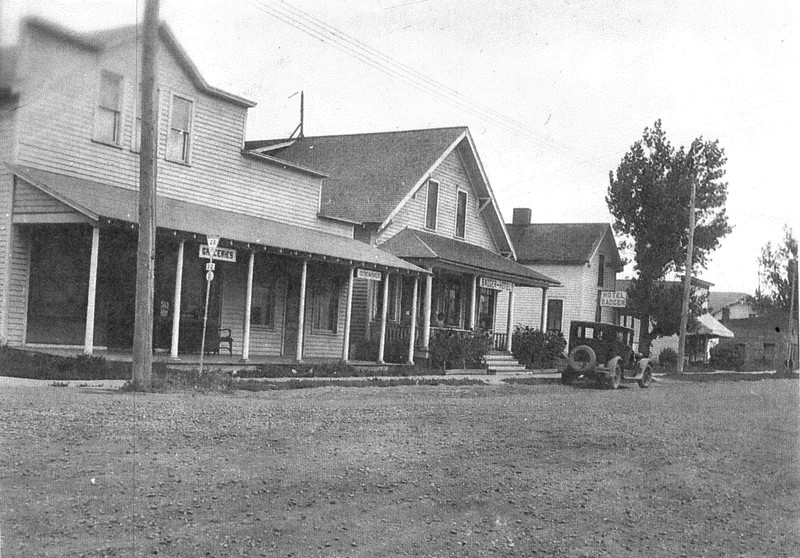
[[88, 340], [301, 320], [412, 331], [426, 313], [176, 302], [248, 303], [510, 325], [384, 315], [348, 317], [544, 308], [472, 304]]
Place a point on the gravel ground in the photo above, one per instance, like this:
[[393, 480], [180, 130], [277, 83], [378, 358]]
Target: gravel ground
[[680, 469]]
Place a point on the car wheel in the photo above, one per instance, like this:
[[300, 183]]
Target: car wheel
[[582, 358], [647, 377], [616, 379]]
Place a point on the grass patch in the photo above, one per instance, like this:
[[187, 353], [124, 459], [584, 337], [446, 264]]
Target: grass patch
[[17, 363], [332, 370]]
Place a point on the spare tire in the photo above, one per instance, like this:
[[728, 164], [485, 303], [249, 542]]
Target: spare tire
[[582, 358]]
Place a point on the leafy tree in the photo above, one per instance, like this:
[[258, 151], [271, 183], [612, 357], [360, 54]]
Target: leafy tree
[[649, 198], [777, 266]]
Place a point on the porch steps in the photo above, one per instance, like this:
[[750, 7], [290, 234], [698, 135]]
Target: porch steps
[[502, 362]]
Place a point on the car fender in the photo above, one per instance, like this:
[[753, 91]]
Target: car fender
[[642, 364], [611, 364]]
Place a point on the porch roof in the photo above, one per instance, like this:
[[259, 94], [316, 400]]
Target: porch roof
[[710, 326], [427, 248], [99, 201]]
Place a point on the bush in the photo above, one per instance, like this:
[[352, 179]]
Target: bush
[[726, 357], [537, 349], [452, 349], [395, 352], [38, 366], [668, 357], [326, 370]]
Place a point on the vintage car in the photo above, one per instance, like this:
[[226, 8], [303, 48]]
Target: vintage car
[[604, 354]]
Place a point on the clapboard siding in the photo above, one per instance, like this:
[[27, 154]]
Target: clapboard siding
[[18, 283], [321, 345], [452, 177], [59, 140], [7, 153], [30, 200]]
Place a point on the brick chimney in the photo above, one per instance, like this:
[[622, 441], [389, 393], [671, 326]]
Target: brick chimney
[[522, 216]]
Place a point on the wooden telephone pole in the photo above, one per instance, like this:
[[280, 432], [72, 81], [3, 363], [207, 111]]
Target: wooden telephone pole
[[688, 268], [148, 172]]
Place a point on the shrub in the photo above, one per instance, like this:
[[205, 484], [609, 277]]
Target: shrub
[[726, 357], [668, 357], [451, 349], [537, 349], [38, 366]]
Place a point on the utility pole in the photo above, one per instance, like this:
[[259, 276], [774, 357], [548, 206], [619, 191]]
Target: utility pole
[[148, 172], [688, 268], [791, 330]]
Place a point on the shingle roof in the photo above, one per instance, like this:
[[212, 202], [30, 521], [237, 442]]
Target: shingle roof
[[369, 174], [424, 247], [557, 242], [97, 200]]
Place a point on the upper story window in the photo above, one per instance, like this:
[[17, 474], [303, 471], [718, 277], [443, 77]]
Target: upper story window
[[180, 130], [461, 214], [109, 109], [433, 205], [601, 271]]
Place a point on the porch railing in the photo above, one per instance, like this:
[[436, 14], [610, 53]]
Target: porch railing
[[499, 341]]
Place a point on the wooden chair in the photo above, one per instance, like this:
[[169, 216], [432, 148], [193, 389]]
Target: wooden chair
[[219, 338]]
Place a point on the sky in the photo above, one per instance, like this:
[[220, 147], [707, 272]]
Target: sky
[[554, 92]]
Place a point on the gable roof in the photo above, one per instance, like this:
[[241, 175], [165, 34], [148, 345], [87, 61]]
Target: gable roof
[[373, 175], [98, 41], [561, 243], [722, 299], [426, 248], [99, 202]]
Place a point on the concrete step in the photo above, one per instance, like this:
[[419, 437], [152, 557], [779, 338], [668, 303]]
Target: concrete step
[[503, 362]]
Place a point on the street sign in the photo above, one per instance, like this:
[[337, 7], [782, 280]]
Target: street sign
[[209, 276], [212, 241], [614, 299], [496, 284], [211, 266]]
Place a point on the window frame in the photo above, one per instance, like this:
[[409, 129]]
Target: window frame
[[461, 216], [601, 270], [548, 321], [188, 135], [262, 279], [117, 112], [435, 216], [318, 291]]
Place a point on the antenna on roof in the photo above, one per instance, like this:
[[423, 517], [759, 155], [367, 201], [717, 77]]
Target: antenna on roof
[[299, 126]]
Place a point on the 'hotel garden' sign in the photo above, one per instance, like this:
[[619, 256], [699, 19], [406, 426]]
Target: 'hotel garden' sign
[[614, 299]]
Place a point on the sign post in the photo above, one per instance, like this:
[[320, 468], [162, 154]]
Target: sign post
[[213, 241]]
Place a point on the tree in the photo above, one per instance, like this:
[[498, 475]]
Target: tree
[[649, 200], [776, 272]]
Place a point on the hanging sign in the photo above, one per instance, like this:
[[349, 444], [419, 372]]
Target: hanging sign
[[496, 284], [614, 299], [368, 274], [209, 276], [221, 254]]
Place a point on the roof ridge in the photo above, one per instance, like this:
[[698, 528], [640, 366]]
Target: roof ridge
[[356, 134]]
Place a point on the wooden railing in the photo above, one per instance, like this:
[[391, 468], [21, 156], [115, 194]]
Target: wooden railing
[[499, 341]]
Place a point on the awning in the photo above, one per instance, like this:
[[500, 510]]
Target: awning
[[428, 249], [97, 201], [708, 325]]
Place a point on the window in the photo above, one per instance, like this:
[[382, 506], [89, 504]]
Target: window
[[109, 109], [448, 293], [262, 307], [486, 300], [461, 214], [180, 130], [555, 311], [325, 306], [601, 271], [433, 205], [136, 140]]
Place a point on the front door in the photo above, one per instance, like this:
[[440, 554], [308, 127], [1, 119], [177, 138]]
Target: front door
[[291, 319]]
